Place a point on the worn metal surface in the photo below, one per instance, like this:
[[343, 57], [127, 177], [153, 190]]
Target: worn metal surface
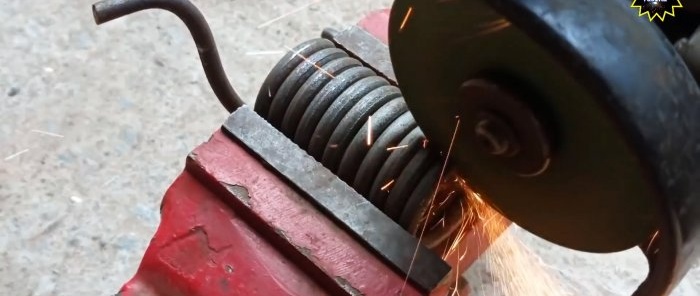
[[337, 110], [107, 10], [325, 97], [639, 102], [297, 78], [443, 216], [424, 186], [377, 154], [283, 68], [352, 121], [394, 164], [307, 92], [358, 148], [337, 199], [366, 47], [406, 182]]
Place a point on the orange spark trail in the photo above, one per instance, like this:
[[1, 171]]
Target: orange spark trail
[[298, 9], [396, 147], [312, 63], [405, 18], [432, 200], [518, 270], [386, 186], [369, 131]]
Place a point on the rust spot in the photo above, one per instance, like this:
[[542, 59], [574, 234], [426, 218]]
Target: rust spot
[[347, 286], [239, 192], [304, 251], [192, 155], [281, 233], [228, 268]]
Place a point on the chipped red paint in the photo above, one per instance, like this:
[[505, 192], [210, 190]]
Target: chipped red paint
[[263, 240], [230, 226], [204, 247]]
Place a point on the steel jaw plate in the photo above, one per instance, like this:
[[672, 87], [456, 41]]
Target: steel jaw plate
[[603, 114]]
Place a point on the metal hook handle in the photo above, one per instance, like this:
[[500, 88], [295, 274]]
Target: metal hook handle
[[107, 10]]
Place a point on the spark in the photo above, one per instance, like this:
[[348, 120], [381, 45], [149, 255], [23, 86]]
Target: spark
[[494, 27], [515, 265], [425, 143], [369, 131], [448, 198], [386, 186], [269, 92], [441, 221], [432, 200], [16, 154], [396, 148], [310, 62], [651, 242], [463, 230], [467, 221], [497, 22], [109, 181], [488, 28], [264, 52], [293, 11], [520, 271], [405, 18], [477, 198], [47, 133], [296, 52]]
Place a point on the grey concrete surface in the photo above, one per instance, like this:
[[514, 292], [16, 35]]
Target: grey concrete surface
[[95, 123]]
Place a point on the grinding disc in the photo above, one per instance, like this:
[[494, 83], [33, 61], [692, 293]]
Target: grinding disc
[[601, 91]]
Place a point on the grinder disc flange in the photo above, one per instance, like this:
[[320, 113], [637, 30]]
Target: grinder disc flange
[[592, 94]]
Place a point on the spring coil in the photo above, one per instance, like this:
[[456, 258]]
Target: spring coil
[[357, 125]]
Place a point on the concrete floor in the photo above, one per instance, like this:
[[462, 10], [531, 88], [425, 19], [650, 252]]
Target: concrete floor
[[95, 123]]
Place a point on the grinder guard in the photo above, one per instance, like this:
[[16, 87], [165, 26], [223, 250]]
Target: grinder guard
[[618, 105]]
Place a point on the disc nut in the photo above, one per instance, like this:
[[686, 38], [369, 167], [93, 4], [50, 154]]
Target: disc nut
[[495, 135]]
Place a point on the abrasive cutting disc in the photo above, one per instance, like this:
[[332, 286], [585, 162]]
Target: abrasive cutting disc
[[601, 85]]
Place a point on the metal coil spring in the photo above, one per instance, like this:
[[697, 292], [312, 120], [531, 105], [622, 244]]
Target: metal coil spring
[[358, 126]]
